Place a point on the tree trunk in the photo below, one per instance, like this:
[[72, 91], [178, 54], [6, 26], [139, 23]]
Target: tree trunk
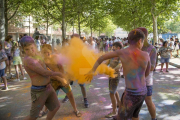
[[47, 27], [154, 29], [79, 24], [63, 22], [6, 18], [2, 21], [91, 31]]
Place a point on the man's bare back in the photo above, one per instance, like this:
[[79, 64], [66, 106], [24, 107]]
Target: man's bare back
[[134, 62]]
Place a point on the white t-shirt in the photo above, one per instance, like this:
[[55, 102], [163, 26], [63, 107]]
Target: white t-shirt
[[2, 55], [93, 45], [16, 52]]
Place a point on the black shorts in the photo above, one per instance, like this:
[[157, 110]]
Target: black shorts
[[9, 58], [130, 106]]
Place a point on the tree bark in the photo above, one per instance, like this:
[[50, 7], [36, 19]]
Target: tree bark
[[6, 18], [91, 31], [79, 24], [2, 21], [154, 29], [47, 26], [63, 22]]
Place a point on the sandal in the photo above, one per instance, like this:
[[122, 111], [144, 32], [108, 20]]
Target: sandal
[[78, 114], [42, 113], [110, 115]]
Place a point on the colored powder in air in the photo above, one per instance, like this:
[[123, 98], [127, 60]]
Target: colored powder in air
[[81, 60]]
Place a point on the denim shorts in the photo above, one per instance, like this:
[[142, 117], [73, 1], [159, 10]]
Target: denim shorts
[[164, 60], [149, 90]]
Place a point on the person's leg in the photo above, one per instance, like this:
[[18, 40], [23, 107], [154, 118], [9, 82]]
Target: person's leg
[[21, 69], [151, 106], [167, 64], [5, 82], [117, 98], [17, 72], [72, 101], [162, 64], [7, 66], [51, 114], [83, 90], [10, 67], [52, 103], [114, 103]]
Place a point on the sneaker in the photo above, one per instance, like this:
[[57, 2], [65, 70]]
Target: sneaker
[[110, 115], [86, 104], [167, 70], [4, 88], [122, 76], [65, 99], [161, 70], [24, 78]]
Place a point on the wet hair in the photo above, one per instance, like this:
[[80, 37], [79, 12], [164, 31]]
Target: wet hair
[[144, 30], [37, 37], [75, 35], [117, 44], [26, 41], [164, 43], [8, 38], [135, 35], [47, 46]]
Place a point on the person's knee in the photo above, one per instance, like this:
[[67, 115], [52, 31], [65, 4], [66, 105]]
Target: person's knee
[[69, 94], [148, 101]]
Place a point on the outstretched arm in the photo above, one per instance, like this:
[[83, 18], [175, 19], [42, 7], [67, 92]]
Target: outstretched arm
[[105, 57]]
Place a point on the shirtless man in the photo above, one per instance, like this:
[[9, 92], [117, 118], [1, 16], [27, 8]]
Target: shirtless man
[[42, 92], [53, 63], [136, 66], [151, 50]]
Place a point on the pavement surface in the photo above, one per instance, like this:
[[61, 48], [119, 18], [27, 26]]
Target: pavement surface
[[15, 103]]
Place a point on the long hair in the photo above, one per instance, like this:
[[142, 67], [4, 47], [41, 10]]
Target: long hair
[[8, 38], [164, 43]]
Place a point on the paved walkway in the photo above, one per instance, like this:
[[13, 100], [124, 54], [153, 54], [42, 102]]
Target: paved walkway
[[15, 103]]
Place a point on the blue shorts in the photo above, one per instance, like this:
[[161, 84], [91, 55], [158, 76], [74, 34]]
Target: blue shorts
[[81, 85], [66, 89], [164, 60], [2, 72], [149, 90]]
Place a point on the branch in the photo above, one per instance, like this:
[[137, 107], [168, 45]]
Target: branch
[[57, 5], [10, 6], [14, 12], [165, 7]]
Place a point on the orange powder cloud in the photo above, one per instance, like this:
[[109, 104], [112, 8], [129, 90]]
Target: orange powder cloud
[[81, 59]]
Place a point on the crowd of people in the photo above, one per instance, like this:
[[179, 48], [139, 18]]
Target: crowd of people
[[48, 75]]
